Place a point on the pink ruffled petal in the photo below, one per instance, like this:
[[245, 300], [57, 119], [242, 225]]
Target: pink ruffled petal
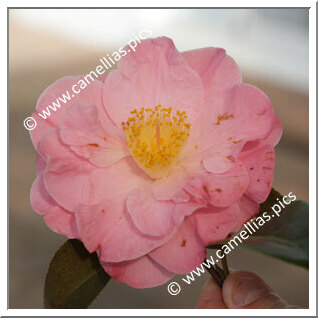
[[260, 164], [195, 188], [219, 163], [91, 94], [58, 219], [181, 210], [247, 209], [184, 252], [116, 182], [220, 189], [270, 140], [252, 111], [67, 176], [71, 180], [81, 126], [218, 71], [215, 224], [248, 116], [276, 133], [155, 74], [41, 201], [81, 129], [126, 242], [42, 126], [108, 228], [167, 188], [149, 215], [102, 78], [140, 273], [96, 221], [181, 197], [40, 164], [62, 222]]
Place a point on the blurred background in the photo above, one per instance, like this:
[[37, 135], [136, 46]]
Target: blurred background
[[271, 48]]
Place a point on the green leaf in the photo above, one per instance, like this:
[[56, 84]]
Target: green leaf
[[286, 236], [75, 277], [270, 201]]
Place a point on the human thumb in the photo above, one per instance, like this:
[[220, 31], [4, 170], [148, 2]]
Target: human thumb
[[246, 290]]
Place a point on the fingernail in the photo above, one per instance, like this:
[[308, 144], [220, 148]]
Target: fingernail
[[247, 290]]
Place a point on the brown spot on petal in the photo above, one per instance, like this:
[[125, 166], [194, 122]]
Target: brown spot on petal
[[103, 211], [183, 243], [218, 190], [258, 180], [105, 138], [206, 190], [223, 117], [252, 168], [236, 141], [230, 158], [93, 145]]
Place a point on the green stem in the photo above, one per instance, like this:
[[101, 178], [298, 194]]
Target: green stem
[[218, 273], [225, 267]]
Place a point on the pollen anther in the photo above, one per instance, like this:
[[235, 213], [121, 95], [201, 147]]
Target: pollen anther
[[155, 138]]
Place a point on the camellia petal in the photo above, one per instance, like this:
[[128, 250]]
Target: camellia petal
[[248, 116], [151, 163], [143, 272], [40, 199], [221, 189], [155, 74], [125, 242], [63, 223], [94, 221], [218, 71], [259, 163], [216, 224], [81, 129], [186, 247], [58, 219], [57, 97], [168, 187], [150, 216]]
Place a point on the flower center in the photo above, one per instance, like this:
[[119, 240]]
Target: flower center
[[155, 138]]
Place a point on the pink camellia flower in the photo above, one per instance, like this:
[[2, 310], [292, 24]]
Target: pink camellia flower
[[168, 153]]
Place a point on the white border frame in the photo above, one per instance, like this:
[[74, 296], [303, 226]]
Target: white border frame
[[312, 160]]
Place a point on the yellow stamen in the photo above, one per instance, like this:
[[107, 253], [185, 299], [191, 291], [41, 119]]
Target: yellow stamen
[[158, 133], [155, 138]]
